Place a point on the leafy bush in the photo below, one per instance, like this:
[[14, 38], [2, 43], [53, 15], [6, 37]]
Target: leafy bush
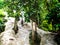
[[54, 17], [2, 21]]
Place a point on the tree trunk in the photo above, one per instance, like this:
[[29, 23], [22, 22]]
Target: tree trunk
[[15, 26]]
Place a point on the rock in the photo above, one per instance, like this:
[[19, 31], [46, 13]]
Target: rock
[[23, 34], [6, 37], [10, 23], [47, 38]]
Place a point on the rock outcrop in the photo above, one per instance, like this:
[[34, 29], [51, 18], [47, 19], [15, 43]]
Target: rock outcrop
[[47, 38]]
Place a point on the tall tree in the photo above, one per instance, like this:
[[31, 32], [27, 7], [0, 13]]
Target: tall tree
[[13, 9]]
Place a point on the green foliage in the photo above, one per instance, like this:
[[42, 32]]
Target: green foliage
[[49, 14], [54, 17], [43, 12], [45, 26], [13, 5], [2, 21], [1, 4]]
